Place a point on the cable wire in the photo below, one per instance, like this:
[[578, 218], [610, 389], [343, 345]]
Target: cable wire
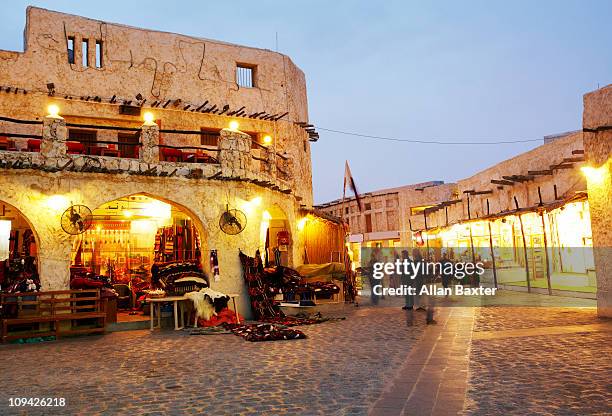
[[441, 142]]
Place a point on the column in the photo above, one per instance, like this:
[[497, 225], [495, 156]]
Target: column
[[234, 153], [54, 135], [597, 119], [149, 137]]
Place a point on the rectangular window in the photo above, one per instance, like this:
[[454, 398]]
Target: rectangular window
[[71, 50], [128, 145], [368, 206], [245, 76], [98, 54], [209, 137], [86, 137], [368, 219], [85, 51]]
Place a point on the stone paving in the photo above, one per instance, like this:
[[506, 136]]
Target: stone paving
[[337, 370], [541, 370], [476, 361]]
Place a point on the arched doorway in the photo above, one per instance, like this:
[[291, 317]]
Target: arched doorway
[[18, 252], [133, 243], [275, 237]]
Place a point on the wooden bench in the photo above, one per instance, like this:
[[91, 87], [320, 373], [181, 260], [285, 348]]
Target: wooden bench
[[54, 308]]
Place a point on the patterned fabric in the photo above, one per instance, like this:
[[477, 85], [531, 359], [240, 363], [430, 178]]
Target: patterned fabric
[[265, 332]]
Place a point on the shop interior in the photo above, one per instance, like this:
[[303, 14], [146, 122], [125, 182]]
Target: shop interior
[[18, 252], [131, 239]]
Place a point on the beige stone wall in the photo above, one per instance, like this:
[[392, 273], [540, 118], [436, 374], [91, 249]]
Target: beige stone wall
[[567, 182], [598, 149], [160, 66], [30, 192]]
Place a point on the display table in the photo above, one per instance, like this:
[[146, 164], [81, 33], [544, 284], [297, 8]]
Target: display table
[[178, 307], [233, 296]]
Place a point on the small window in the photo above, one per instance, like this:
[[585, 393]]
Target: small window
[[209, 137], [368, 218], [245, 76], [98, 54], [85, 53], [368, 206], [71, 50]]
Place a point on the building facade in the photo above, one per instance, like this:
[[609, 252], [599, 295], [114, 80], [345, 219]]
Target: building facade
[[225, 128], [529, 219]]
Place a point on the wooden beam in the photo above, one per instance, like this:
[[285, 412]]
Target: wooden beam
[[540, 172], [500, 182], [574, 159], [562, 166], [578, 152]]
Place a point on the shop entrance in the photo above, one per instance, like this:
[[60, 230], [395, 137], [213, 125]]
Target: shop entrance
[[276, 237], [18, 252], [130, 240]]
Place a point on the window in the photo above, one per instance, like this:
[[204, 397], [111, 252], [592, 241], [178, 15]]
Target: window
[[85, 51], [346, 210], [98, 54], [368, 219], [209, 137], [71, 50], [128, 145], [368, 206], [86, 137], [245, 75]]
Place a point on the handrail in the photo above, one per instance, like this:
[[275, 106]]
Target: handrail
[[15, 120], [167, 146], [95, 126], [198, 132], [21, 135]]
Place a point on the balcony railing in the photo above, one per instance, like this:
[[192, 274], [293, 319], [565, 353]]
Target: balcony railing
[[46, 145]]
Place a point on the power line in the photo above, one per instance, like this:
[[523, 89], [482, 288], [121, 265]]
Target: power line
[[434, 141]]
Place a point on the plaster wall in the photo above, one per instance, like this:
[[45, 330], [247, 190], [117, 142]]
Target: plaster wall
[[597, 119]]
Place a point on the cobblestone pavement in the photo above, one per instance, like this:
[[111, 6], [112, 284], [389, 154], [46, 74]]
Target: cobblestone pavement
[[339, 369], [521, 362]]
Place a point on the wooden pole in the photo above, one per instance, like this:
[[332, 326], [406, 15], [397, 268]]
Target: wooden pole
[[524, 246], [546, 253], [492, 255]]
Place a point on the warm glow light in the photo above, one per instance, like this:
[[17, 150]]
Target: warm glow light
[[267, 139], [302, 223], [157, 209], [127, 214], [149, 118], [266, 216], [233, 125], [249, 207], [53, 110], [58, 202], [595, 175]]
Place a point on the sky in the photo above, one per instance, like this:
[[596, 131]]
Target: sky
[[451, 70]]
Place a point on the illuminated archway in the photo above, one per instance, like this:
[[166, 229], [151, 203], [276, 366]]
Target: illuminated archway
[[275, 237], [18, 249], [131, 239]]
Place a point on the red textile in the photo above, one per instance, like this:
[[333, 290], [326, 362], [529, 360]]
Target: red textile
[[226, 316], [83, 283]]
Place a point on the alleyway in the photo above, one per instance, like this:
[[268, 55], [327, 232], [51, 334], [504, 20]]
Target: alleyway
[[479, 361]]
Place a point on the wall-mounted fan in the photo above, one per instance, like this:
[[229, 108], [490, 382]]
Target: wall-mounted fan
[[76, 219], [232, 221]]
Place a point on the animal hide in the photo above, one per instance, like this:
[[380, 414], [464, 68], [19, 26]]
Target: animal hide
[[203, 307]]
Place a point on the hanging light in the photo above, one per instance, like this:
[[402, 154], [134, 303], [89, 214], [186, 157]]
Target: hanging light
[[53, 111], [267, 139], [149, 118], [234, 125]]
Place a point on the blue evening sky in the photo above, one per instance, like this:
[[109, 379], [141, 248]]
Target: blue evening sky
[[455, 70]]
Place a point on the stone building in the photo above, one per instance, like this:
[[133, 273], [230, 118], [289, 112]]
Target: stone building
[[226, 128], [538, 220]]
